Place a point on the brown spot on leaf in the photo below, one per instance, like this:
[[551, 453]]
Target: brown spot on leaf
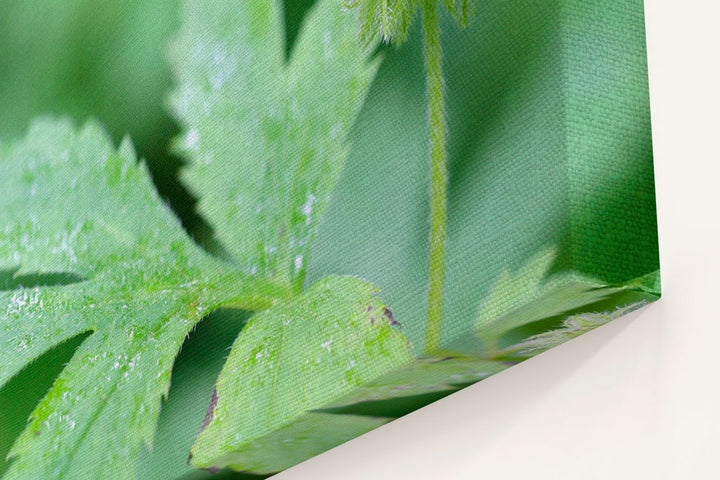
[[211, 409], [388, 314]]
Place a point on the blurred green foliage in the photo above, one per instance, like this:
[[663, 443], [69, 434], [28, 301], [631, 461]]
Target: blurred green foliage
[[549, 145], [103, 59]]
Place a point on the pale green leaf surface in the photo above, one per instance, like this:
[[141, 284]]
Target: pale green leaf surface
[[293, 358], [73, 205], [266, 138]]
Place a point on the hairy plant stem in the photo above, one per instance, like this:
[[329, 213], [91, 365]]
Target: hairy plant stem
[[438, 174]]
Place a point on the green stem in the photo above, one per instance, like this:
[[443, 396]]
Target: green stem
[[438, 174]]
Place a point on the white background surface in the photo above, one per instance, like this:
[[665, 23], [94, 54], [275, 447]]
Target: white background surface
[[636, 399]]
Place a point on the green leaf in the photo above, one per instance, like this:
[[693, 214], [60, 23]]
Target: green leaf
[[503, 308], [573, 326], [424, 375], [91, 247], [294, 358], [561, 306], [533, 295], [266, 138], [310, 434]]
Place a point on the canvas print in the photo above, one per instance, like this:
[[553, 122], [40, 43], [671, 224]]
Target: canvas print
[[236, 234]]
